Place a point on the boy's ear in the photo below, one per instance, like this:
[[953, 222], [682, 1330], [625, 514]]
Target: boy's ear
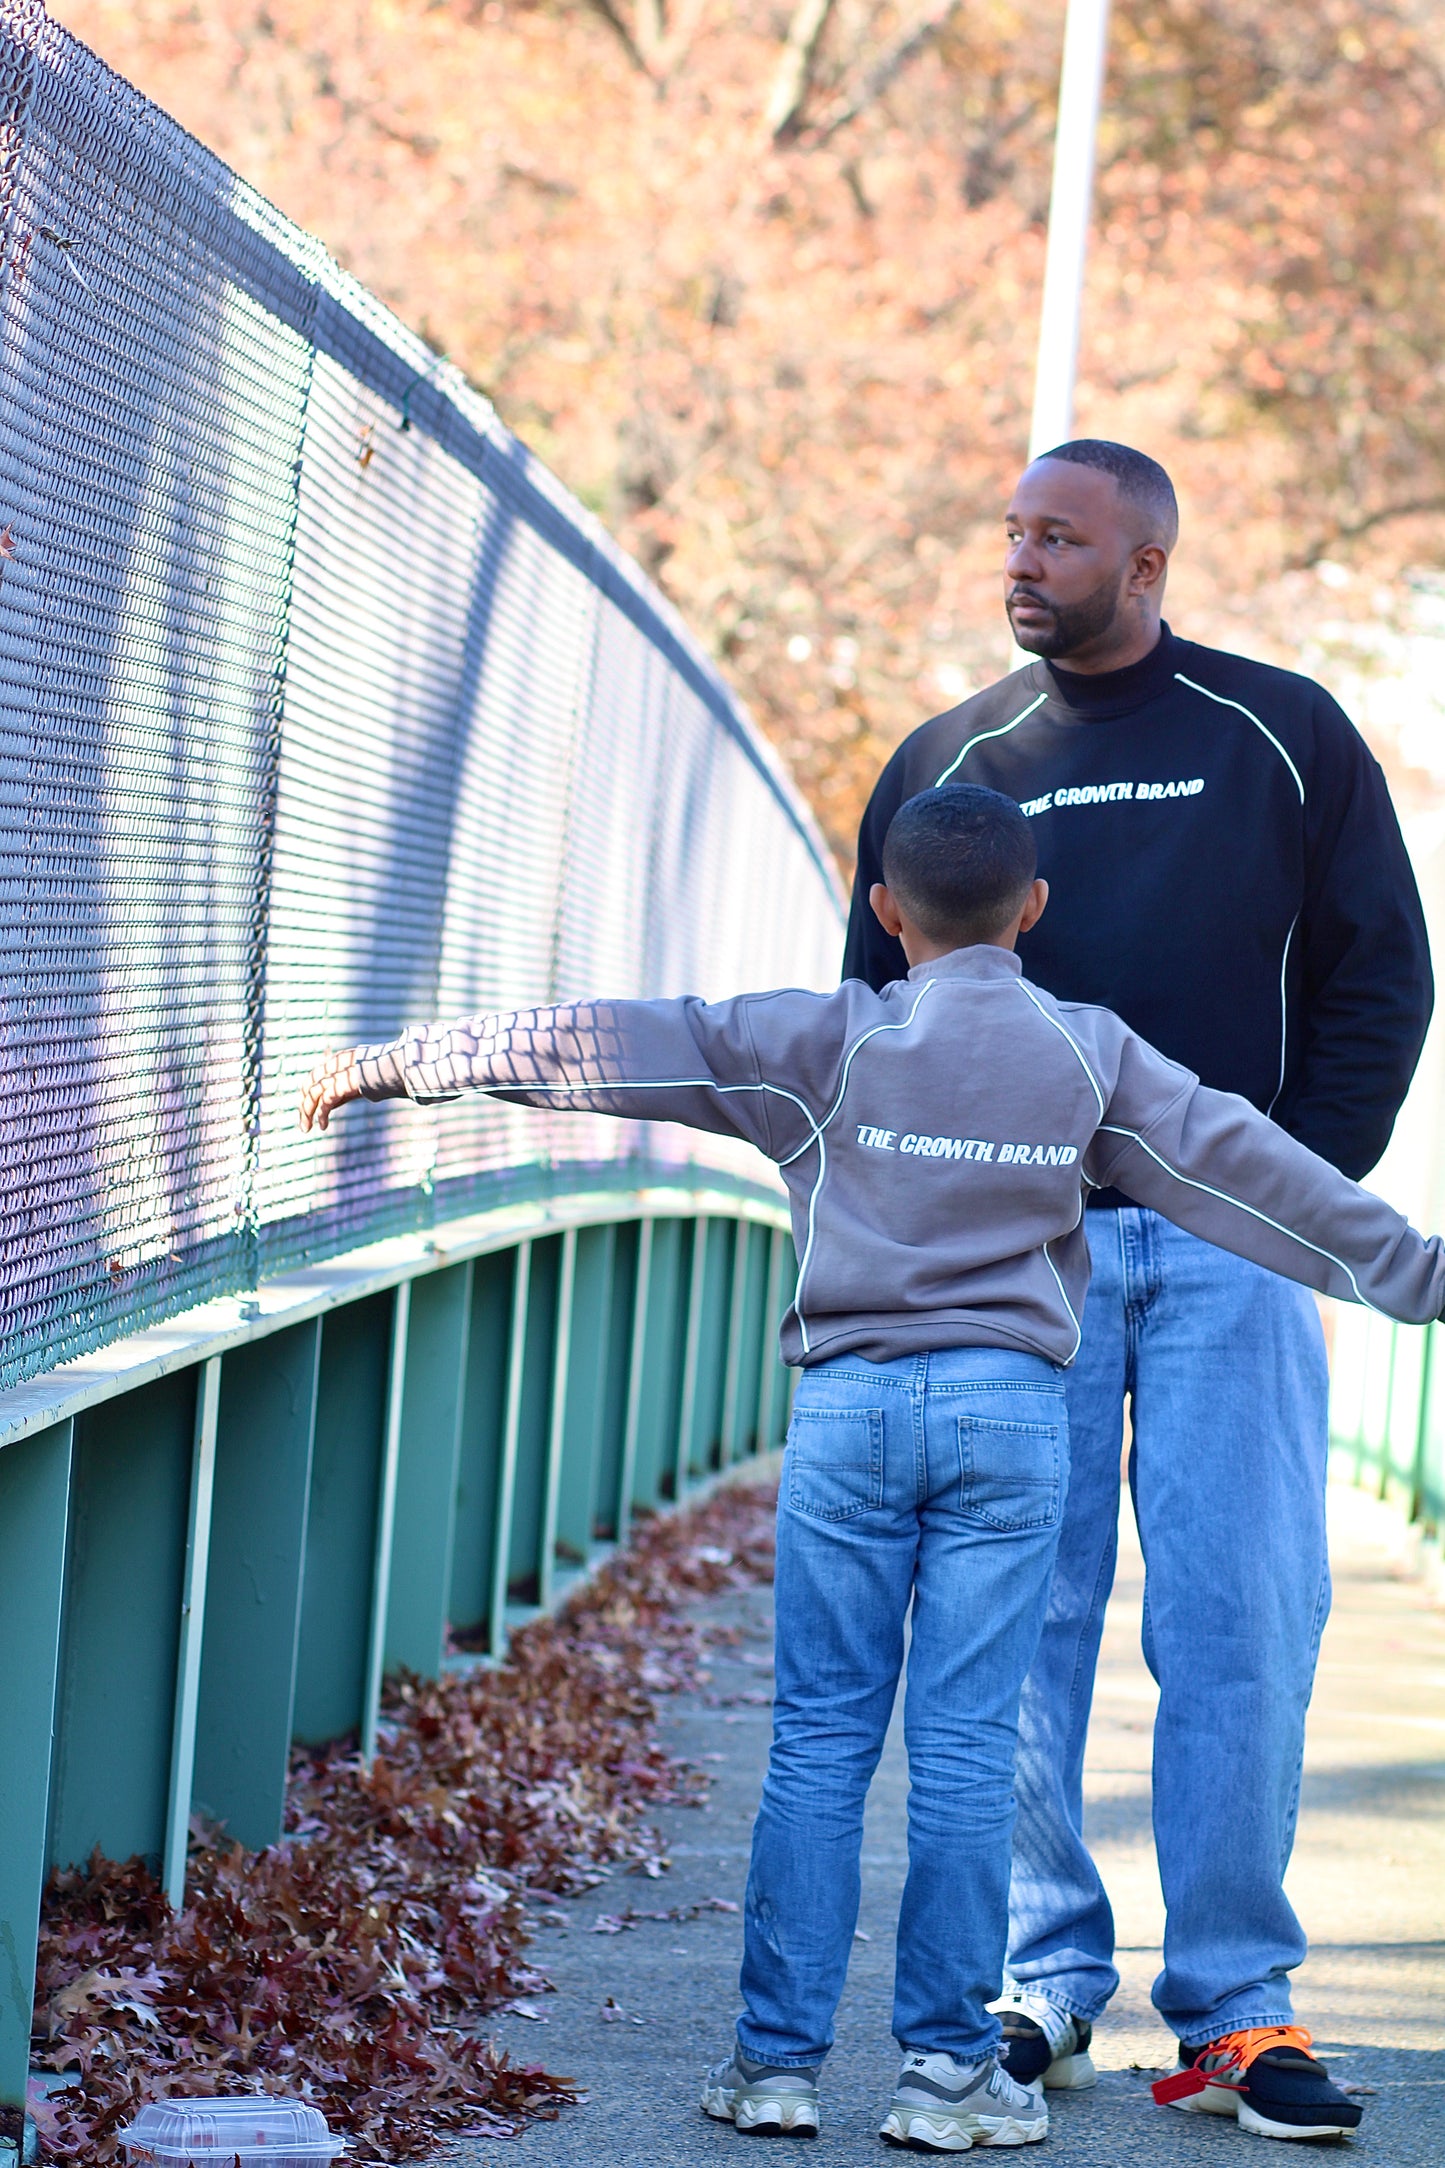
[[885, 910], [1034, 908]]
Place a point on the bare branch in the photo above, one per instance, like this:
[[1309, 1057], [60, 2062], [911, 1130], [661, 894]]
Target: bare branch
[[613, 19], [1350, 530], [887, 68], [794, 78]]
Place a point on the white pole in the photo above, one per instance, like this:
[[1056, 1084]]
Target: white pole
[[1086, 38]]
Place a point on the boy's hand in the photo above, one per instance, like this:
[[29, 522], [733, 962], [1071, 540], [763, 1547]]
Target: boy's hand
[[330, 1085]]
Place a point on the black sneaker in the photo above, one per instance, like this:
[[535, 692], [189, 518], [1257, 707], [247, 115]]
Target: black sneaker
[[1267, 2078], [1041, 2041]]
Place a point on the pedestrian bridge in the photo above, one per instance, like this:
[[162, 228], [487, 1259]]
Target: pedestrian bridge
[[323, 709]]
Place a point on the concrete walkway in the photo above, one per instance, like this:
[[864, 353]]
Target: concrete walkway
[[639, 2014]]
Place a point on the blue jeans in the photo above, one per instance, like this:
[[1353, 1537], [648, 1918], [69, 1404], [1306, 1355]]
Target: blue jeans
[[1224, 1367], [939, 1480]]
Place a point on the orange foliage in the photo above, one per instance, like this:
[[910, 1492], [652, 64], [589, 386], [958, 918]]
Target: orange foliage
[[761, 284]]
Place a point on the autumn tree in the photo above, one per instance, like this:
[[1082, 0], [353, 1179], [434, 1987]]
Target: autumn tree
[[762, 283]]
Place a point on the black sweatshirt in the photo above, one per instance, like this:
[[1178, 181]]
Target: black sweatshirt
[[1226, 872]]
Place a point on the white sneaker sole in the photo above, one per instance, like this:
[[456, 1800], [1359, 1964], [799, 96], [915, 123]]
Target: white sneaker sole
[[1070, 2074], [763, 2116], [931, 2133], [1223, 2100]]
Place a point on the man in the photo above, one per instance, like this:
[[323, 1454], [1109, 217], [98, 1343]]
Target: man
[[1229, 876]]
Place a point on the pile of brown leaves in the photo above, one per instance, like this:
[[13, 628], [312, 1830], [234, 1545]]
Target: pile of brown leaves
[[348, 1963]]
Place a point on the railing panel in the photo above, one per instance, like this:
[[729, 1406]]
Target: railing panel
[[479, 1456], [346, 1465], [131, 1489], [424, 1530], [34, 1508], [264, 1432], [586, 1458]]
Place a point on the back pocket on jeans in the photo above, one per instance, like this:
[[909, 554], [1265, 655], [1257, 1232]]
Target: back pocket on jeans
[[834, 1462], [1009, 1472]]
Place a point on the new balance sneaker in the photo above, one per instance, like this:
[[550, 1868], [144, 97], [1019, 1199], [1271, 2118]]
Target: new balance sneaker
[[940, 2106], [1265, 2076], [763, 2098], [1041, 2041]]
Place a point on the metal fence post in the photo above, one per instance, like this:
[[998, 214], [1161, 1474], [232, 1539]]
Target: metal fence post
[[193, 1617], [34, 1509], [385, 1521], [557, 1418], [511, 1431], [636, 1366]]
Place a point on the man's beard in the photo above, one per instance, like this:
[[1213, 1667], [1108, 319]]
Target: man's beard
[[1073, 625]]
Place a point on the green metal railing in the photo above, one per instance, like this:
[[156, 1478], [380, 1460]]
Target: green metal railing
[[1387, 1413], [218, 1536]]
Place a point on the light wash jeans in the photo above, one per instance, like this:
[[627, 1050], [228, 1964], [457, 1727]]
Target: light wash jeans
[[1224, 1366], [937, 1480]]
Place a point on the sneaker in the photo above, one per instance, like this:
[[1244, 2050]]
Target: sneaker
[[940, 2106], [1266, 2077], [762, 2097], [1042, 2041]]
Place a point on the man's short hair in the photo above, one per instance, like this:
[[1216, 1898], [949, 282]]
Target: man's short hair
[[959, 860], [1141, 481]]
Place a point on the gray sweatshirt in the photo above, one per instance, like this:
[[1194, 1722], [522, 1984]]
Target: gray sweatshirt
[[937, 1140]]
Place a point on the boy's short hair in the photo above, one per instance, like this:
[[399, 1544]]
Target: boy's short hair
[[959, 860]]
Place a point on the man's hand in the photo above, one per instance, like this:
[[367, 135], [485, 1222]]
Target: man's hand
[[330, 1085]]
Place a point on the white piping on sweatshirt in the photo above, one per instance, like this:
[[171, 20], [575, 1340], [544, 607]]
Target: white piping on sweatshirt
[[1025, 988], [983, 735], [1291, 1234], [806, 1258], [1250, 716]]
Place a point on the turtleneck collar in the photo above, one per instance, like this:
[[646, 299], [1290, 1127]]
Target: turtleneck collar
[[1112, 692]]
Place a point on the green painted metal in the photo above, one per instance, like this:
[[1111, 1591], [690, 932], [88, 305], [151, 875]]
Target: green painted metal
[[636, 1374], [34, 1510], [557, 1420], [192, 1625], [246, 1541], [479, 1455], [130, 1493], [424, 1527], [385, 1519], [534, 1436], [664, 1316], [588, 1401], [741, 1367], [740, 1428], [511, 1435], [612, 1482], [346, 1468], [687, 1413], [264, 1431], [705, 1452]]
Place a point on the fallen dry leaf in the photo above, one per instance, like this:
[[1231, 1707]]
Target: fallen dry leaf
[[352, 1961]]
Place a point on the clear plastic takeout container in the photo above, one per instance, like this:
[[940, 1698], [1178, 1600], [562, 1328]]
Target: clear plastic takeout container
[[253, 2128]]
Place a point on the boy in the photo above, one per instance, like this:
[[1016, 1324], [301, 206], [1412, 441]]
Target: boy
[[936, 1140]]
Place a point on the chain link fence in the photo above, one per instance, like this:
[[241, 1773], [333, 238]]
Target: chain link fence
[[323, 708]]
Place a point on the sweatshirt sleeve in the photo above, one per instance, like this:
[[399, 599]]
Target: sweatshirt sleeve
[[1367, 990], [684, 1061], [869, 953], [1217, 1167]]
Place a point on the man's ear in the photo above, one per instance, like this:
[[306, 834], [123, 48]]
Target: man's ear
[[1151, 563], [885, 910], [1034, 909]]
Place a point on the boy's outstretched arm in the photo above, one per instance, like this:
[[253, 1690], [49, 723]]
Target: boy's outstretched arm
[[681, 1061], [1216, 1166]]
